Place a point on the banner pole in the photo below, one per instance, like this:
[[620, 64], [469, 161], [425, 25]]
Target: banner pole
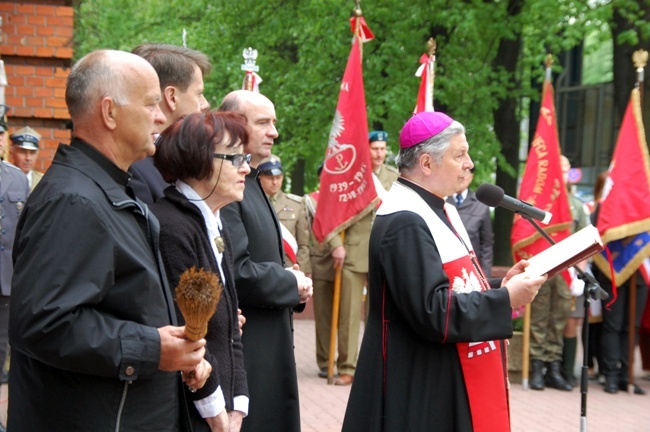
[[336, 301]]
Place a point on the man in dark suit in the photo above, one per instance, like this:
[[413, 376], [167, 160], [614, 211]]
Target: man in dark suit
[[181, 72], [268, 293], [478, 223]]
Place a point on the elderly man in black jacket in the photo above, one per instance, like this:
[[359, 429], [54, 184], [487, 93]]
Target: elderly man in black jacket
[[94, 345]]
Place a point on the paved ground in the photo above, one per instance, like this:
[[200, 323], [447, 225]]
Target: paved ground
[[323, 406]]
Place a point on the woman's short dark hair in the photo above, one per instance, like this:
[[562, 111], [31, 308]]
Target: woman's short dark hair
[[184, 150]]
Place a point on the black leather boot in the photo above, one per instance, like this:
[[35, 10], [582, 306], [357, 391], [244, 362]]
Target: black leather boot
[[611, 384], [537, 375], [554, 378]]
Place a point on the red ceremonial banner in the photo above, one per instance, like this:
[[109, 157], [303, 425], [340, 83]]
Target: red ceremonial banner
[[623, 211], [347, 191], [542, 185]]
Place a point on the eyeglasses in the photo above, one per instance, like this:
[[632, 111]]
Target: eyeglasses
[[237, 159]]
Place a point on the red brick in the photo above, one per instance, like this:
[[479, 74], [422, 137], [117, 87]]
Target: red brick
[[36, 20], [35, 41], [7, 7], [20, 111], [26, 51], [45, 10], [24, 70], [25, 9], [8, 28], [55, 103], [34, 81], [63, 31], [61, 72], [34, 102], [65, 53], [65, 11], [57, 41], [24, 91], [60, 21], [59, 93], [61, 114], [55, 82], [14, 19], [61, 133], [43, 92], [45, 31], [43, 112], [25, 30], [14, 102], [14, 39], [43, 71], [15, 81], [6, 50], [44, 52]]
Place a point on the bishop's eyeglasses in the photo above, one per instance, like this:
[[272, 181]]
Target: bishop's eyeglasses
[[237, 159]]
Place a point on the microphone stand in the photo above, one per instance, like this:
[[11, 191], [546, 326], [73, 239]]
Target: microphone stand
[[593, 291]]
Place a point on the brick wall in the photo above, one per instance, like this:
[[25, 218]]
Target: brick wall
[[37, 51]]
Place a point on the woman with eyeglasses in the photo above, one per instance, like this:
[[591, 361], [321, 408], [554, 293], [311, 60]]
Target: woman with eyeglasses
[[201, 155]]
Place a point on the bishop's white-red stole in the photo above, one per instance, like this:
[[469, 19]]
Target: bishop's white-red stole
[[482, 363]]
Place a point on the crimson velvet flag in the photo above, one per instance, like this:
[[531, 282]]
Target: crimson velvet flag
[[624, 208], [347, 191], [542, 186]]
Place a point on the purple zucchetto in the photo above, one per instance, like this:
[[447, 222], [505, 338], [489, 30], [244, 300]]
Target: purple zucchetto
[[423, 126]]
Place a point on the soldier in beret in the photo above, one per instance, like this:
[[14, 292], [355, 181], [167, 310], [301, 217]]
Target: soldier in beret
[[13, 194], [291, 212], [24, 152]]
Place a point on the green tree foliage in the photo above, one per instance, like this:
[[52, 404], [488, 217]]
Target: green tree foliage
[[490, 53]]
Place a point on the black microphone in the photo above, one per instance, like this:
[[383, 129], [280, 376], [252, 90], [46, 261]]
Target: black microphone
[[493, 196]]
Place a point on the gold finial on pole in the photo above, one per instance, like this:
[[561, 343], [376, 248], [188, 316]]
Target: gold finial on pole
[[640, 59], [357, 8], [548, 62], [431, 47]]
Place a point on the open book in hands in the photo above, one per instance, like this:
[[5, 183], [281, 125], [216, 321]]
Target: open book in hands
[[566, 253]]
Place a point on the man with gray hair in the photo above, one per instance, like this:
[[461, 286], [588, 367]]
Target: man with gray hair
[[433, 355], [93, 331]]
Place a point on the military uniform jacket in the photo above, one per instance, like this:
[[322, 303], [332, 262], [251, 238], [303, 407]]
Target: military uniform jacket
[[267, 294], [291, 213], [320, 254], [13, 195], [357, 236]]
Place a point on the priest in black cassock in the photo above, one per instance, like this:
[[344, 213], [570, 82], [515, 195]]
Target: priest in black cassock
[[433, 353]]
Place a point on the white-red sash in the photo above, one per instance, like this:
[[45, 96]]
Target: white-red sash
[[482, 362], [289, 244]]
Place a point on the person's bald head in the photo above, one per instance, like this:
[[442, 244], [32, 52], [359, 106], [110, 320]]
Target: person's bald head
[[260, 112], [101, 74], [113, 98]]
